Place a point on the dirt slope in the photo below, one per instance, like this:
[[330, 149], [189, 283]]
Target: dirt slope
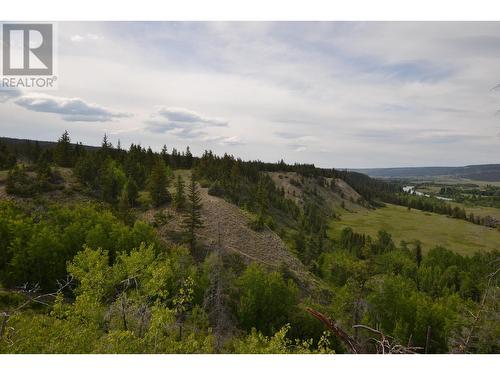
[[227, 225], [297, 187]]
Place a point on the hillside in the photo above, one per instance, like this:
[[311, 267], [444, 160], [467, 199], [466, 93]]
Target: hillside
[[430, 229], [271, 248], [334, 192], [485, 172], [227, 228]]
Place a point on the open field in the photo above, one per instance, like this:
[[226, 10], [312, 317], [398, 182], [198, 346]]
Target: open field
[[453, 181], [431, 229], [480, 210]]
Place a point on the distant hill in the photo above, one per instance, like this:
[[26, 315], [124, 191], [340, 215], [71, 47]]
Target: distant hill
[[17, 144], [484, 172]]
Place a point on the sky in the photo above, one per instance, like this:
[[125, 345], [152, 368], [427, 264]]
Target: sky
[[336, 94]]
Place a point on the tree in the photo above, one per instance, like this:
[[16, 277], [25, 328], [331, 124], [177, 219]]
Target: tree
[[189, 158], [106, 145], [7, 159], [124, 205], [111, 181], [180, 196], [265, 300], [158, 183], [63, 152], [132, 191], [193, 221], [418, 252]]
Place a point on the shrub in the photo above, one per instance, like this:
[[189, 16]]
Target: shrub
[[216, 189]]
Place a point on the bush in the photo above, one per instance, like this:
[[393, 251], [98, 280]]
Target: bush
[[266, 301], [20, 183], [216, 189]]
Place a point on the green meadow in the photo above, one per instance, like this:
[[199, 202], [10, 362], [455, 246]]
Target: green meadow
[[431, 229]]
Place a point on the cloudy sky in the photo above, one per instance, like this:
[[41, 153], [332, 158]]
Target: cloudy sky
[[335, 94]]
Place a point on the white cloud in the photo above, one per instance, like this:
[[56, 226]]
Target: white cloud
[[70, 109], [77, 38], [182, 122], [8, 94], [343, 94]]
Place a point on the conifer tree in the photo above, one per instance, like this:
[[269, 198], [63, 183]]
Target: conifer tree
[[158, 183], [132, 191], [189, 158], [63, 153], [192, 220], [124, 204], [180, 196]]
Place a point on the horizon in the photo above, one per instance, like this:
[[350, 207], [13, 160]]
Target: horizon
[[157, 150], [323, 93]]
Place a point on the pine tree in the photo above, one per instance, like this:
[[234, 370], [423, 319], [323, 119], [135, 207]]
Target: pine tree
[[106, 145], [158, 183], [124, 205], [189, 158], [180, 196], [7, 158], [192, 220], [63, 152], [132, 191]]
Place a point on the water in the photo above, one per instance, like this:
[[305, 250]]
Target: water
[[411, 190]]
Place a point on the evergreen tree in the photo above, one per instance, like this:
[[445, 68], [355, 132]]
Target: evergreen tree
[[189, 158], [180, 196], [158, 183], [111, 181], [192, 220], [43, 171], [7, 159], [63, 152], [124, 205], [132, 191]]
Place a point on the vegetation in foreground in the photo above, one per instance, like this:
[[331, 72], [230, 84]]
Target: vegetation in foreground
[[94, 277]]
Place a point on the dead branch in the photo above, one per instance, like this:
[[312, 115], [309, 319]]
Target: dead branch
[[351, 344], [32, 297], [383, 344]]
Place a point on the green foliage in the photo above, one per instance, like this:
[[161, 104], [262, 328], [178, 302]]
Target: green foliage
[[158, 183], [20, 183], [35, 248], [257, 343], [265, 300], [7, 158], [216, 189], [180, 195], [63, 152], [192, 219], [111, 181], [340, 266]]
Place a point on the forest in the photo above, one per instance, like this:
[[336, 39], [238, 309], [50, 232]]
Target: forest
[[88, 266]]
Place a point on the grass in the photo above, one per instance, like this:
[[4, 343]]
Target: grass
[[431, 229], [481, 211], [3, 175]]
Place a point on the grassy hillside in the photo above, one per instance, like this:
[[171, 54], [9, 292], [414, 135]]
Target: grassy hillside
[[485, 172], [431, 229]]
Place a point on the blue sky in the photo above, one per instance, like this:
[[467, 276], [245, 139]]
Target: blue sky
[[337, 94]]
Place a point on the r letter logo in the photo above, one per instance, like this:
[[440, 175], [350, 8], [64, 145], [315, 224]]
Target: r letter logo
[[27, 49]]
